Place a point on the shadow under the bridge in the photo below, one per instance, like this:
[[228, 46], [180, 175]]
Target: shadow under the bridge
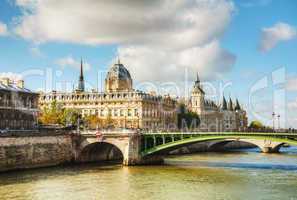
[[222, 146], [101, 152]]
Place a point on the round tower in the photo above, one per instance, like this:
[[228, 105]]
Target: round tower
[[197, 98]]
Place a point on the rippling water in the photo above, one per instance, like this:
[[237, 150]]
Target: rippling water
[[204, 176]]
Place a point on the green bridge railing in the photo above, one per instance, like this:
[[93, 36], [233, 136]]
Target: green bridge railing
[[153, 142]]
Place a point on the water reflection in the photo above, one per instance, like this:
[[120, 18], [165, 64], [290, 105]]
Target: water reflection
[[232, 175]]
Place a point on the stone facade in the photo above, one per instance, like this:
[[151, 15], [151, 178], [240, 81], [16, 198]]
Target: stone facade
[[214, 117], [119, 103], [18, 105]]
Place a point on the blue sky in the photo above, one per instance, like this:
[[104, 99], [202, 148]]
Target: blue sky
[[238, 42]]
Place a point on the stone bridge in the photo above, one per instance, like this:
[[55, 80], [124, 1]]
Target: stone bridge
[[135, 148], [111, 145]]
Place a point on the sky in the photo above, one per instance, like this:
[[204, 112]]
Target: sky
[[243, 49]]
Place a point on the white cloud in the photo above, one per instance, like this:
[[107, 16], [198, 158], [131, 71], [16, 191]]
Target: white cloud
[[11, 75], [69, 61], [3, 29], [273, 35], [292, 84], [157, 39], [164, 65], [292, 105], [170, 22]]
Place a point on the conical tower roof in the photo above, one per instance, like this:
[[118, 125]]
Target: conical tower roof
[[224, 105], [81, 82], [230, 104], [237, 106], [197, 86]]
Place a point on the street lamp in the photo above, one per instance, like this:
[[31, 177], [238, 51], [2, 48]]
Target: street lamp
[[78, 124], [273, 115]]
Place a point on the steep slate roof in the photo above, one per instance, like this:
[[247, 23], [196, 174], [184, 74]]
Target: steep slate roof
[[230, 104], [237, 106], [197, 86], [224, 105]]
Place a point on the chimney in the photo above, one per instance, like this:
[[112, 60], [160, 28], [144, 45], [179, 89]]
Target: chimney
[[21, 84], [5, 81]]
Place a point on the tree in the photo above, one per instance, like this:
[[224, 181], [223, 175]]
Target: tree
[[55, 114], [49, 114], [187, 119], [93, 121], [256, 125], [68, 117]]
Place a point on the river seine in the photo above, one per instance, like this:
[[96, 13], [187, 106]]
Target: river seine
[[236, 175]]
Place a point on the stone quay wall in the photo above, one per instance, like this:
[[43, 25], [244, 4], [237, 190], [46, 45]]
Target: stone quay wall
[[32, 149]]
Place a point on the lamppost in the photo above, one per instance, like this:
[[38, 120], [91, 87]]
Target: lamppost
[[273, 115], [78, 125]]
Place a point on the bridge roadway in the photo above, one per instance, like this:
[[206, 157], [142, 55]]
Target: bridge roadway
[[150, 147]]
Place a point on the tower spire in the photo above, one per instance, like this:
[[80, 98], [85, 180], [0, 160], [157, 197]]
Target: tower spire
[[81, 69], [197, 78], [81, 84], [224, 106]]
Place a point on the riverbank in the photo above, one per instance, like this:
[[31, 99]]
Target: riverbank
[[34, 149]]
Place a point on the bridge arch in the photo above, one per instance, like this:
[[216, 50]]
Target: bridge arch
[[100, 151], [267, 144], [220, 145]]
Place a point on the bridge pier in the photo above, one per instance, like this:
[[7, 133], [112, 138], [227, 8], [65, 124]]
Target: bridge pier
[[270, 150], [132, 154], [266, 146]]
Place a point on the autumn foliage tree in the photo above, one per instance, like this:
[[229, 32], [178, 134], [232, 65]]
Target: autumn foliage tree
[[93, 122], [55, 114]]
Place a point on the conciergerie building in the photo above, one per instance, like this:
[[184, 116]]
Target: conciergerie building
[[226, 116], [130, 108], [119, 102]]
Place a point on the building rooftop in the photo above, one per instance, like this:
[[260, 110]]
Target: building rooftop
[[118, 71], [11, 86]]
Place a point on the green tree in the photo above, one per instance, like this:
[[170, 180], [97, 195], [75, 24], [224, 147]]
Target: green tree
[[68, 117], [187, 119], [55, 114], [256, 125]]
